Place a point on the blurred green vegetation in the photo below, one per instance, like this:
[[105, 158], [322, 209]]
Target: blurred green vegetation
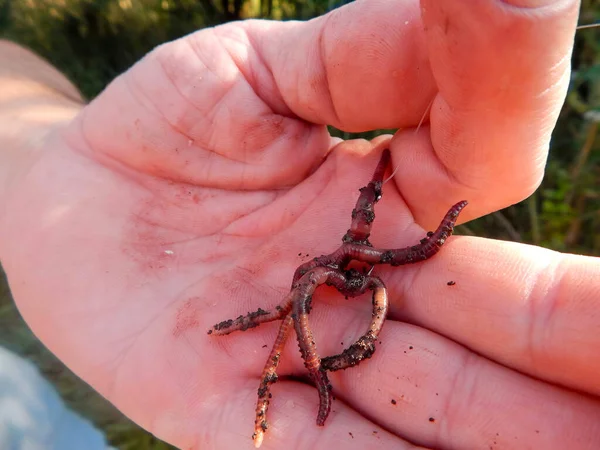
[[92, 41]]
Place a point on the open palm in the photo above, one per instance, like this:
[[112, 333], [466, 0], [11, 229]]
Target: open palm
[[190, 190]]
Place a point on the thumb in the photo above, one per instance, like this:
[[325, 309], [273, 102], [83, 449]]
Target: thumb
[[502, 69]]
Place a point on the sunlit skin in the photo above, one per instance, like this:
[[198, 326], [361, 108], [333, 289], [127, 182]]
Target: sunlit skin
[[200, 179], [334, 270]]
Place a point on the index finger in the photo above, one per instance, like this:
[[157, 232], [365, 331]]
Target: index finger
[[501, 70]]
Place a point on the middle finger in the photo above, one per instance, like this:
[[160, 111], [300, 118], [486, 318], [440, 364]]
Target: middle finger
[[434, 392]]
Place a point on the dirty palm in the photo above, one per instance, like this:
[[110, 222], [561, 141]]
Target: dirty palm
[[332, 270]]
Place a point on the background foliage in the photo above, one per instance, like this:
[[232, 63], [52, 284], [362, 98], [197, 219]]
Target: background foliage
[[92, 41]]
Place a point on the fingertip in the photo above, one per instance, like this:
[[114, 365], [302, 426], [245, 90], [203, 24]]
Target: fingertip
[[499, 53]]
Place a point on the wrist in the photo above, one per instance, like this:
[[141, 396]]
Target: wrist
[[35, 99]]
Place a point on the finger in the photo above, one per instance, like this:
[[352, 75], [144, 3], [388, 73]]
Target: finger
[[445, 396], [360, 67], [291, 419], [526, 307], [244, 105], [235, 106], [197, 391], [502, 70], [436, 393]]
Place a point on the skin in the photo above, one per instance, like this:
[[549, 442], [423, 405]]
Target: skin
[[183, 194]]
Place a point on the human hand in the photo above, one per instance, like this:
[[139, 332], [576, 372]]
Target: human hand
[[184, 194]]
